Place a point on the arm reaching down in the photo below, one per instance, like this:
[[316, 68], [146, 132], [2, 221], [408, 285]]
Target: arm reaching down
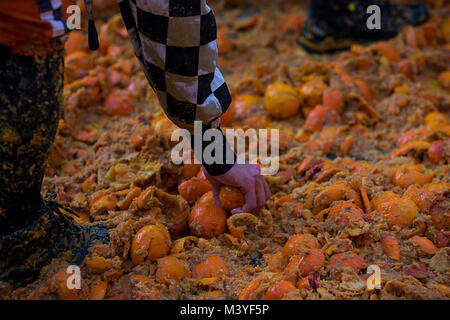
[[247, 178], [175, 43]]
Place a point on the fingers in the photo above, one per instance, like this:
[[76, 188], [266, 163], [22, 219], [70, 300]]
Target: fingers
[[215, 186], [237, 210], [260, 193], [216, 191], [250, 198], [256, 170], [266, 188]]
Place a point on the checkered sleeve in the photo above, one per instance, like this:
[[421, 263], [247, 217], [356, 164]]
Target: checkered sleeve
[[175, 43], [51, 12]]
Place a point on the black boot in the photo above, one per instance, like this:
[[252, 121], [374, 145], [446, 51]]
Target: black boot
[[32, 231], [47, 235], [336, 25]]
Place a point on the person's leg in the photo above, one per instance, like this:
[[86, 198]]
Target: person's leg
[[32, 231], [336, 25], [30, 100]]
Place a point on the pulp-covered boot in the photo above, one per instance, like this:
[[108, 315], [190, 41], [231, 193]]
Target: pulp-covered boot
[[336, 25], [47, 235], [32, 231]]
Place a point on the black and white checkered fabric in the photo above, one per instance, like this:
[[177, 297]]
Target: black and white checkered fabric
[[175, 42], [51, 11]]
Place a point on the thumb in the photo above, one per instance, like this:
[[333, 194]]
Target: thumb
[[215, 186], [237, 210]]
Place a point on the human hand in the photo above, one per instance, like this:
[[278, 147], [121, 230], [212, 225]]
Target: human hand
[[247, 178]]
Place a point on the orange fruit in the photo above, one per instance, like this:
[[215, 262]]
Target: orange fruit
[[345, 213], [435, 120], [190, 170], [171, 269], [80, 60], [436, 151], [348, 260], [150, 242], [408, 174], [212, 266], [275, 262], [250, 291], [311, 263], [257, 122], [422, 197], [97, 264], [305, 264], [391, 247], [278, 290], [103, 204], [193, 188], [424, 244], [206, 198], [118, 103], [315, 119], [137, 141], [333, 99], [98, 290], [59, 283], [244, 104], [298, 244], [398, 212], [312, 92], [386, 50], [201, 175], [76, 41], [207, 220], [281, 100], [231, 198]]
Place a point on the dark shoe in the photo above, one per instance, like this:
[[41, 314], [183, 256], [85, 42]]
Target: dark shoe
[[332, 26], [403, 14], [49, 234], [318, 37]]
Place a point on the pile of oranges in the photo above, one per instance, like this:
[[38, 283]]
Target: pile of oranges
[[363, 181]]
